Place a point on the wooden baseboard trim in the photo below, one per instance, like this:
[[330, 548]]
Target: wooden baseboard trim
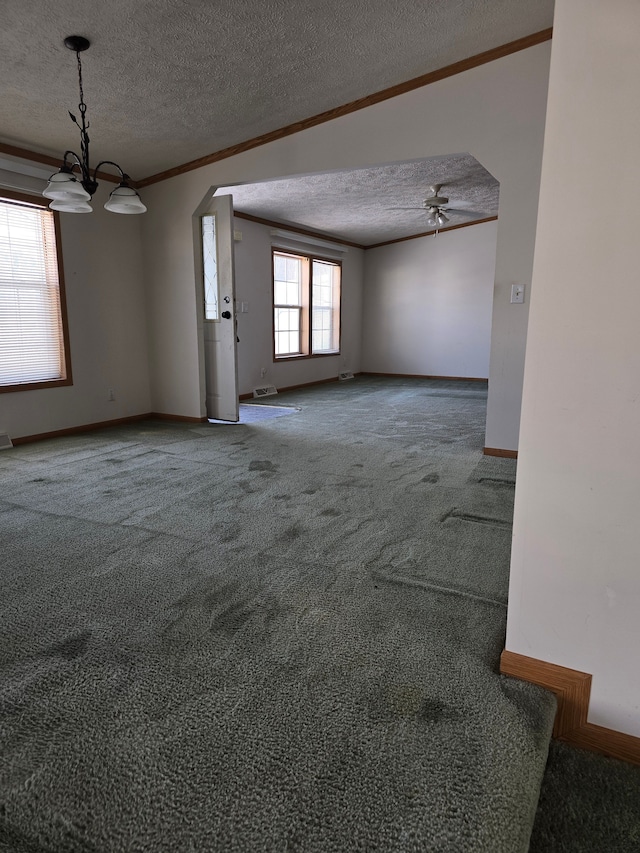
[[573, 690], [504, 454], [301, 385], [77, 430], [309, 384], [427, 376], [183, 419], [606, 741], [388, 375]]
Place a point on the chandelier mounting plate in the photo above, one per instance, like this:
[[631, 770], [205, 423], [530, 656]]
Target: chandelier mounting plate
[[77, 43]]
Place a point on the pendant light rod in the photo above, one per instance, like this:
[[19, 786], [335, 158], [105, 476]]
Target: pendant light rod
[[67, 193], [78, 44]]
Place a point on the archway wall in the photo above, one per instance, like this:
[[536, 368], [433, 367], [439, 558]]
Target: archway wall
[[495, 112]]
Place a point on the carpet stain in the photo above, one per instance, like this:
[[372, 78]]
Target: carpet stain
[[263, 465], [232, 617], [72, 647], [409, 701], [433, 711], [309, 491], [431, 478], [292, 533], [230, 536]]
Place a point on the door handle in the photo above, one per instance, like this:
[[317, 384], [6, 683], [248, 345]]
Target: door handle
[[226, 315]]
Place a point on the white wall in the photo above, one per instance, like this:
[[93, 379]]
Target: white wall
[[102, 258], [495, 112], [575, 573], [428, 304], [255, 327]]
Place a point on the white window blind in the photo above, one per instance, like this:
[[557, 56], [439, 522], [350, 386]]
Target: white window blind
[[31, 333]]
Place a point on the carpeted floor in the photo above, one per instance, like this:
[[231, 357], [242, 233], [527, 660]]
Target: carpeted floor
[[281, 636], [588, 804]]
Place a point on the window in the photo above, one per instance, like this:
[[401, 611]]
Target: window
[[33, 331], [306, 305], [210, 267]]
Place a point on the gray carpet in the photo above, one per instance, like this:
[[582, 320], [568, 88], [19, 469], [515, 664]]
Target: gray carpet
[[281, 636], [588, 804]]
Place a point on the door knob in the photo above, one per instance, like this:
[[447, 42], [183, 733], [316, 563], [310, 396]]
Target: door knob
[[226, 315]]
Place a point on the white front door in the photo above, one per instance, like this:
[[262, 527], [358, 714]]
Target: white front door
[[219, 325]]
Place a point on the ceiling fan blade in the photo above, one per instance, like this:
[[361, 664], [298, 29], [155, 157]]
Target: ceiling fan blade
[[407, 208]]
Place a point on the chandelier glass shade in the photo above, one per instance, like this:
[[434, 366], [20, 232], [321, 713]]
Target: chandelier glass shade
[[73, 186], [70, 206], [124, 199]]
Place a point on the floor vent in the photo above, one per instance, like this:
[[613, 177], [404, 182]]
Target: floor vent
[[346, 374], [265, 391], [5, 441]]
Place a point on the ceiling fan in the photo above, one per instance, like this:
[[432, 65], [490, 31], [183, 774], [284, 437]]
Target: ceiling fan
[[436, 208]]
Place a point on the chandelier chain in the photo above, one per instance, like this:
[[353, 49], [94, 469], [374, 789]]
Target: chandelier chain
[[84, 136]]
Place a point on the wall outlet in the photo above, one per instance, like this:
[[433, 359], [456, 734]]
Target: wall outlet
[[111, 395], [263, 371]]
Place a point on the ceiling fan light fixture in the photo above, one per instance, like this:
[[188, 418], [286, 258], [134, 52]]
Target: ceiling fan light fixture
[[124, 199], [432, 217], [441, 219]]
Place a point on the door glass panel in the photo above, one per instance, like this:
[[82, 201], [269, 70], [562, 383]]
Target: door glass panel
[[210, 267]]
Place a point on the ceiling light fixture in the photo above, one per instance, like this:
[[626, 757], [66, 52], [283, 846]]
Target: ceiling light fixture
[[72, 190], [436, 218]]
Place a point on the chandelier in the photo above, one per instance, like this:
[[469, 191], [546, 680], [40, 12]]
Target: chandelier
[[72, 187]]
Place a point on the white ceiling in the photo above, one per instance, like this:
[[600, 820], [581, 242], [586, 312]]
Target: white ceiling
[[168, 81], [367, 206]]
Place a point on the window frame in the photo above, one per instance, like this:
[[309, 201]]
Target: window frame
[[11, 196], [306, 308]]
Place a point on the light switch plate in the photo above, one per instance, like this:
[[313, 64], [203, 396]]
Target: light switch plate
[[517, 293]]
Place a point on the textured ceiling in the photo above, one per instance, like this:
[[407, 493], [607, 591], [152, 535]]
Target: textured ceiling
[[367, 206], [168, 81]]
